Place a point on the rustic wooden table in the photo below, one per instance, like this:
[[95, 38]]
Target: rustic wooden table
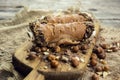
[[107, 11]]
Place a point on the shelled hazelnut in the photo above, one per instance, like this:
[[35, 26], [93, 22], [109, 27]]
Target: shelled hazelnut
[[99, 50], [104, 46], [93, 62], [98, 68], [94, 56], [84, 47], [95, 77], [75, 62], [64, 59], [103, 61], [43, 49], [57, 49], [51, 57], [54, 63], [106, 68], [31, 56], [101, 55], [109, 50], [75, 48], [37, 49], [114, 49]]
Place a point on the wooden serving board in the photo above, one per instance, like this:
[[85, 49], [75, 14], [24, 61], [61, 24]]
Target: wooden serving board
[[33, 66]]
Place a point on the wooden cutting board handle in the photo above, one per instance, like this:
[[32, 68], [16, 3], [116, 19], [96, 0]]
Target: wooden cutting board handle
[[34, 75]]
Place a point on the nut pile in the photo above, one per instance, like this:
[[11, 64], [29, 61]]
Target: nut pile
[[56, 55], [61, 39], [98, 56]]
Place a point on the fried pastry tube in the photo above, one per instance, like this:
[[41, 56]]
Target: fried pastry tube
[[69, 33]]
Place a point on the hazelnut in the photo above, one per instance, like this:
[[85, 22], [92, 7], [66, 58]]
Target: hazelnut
[[94, 56], [101, 55], [43, 49], [75, 62], [37, 49], [54, 64], [75, 48], [84, 47], [31, 56], [51, 57], [103, 61], [99, 50], [104, 46], [95, 77], [114, 49], [46, 53], [106, 68], [57, 49], [109, 50], [93, 62], [98, 69], [64, 59]]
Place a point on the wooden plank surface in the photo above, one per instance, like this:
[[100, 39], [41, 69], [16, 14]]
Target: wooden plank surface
[[102, 9]]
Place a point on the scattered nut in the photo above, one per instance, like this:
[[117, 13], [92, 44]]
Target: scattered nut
[[43, 49], [114, 49], [54, 63], [94, 56], [75, 48], [46, 53], [82, 60], [57, 49], [84, 47], [104, 46], [37, 49], [109, 50], [105, 74], [74, 62], [101, 55], [99, 73], [45, 67], [103, 61], [57, 57], [93, 62], [64, 58], [98, 69], [106, 68], [31, 56], [51, 57], [99, 50], [95, 77], [76, 57]]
